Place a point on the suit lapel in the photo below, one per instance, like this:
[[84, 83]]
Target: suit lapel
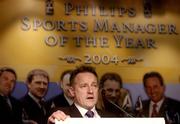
[[163, 107], [74, 112], [146, 107], [65, 102]]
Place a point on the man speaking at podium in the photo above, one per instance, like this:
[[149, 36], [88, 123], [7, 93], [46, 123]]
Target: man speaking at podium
[[84, 88]]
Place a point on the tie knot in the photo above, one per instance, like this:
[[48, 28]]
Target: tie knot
[[90, 114], [154, 111], [42, 102], [154, 105], [42, 106]]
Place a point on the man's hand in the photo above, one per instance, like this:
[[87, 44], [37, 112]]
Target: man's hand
[[59, 115]]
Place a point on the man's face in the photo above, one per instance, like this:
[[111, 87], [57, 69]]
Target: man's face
[[7, 83], [39, 86], [111, 90], [65, 85], [85, 90], [154, 89]]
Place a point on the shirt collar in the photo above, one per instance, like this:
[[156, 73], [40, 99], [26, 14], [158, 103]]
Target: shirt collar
[[34, 98], [158, 104], [70, 101], [1, 94], [83, 111]]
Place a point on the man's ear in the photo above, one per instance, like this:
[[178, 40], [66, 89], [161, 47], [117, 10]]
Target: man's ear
[[28, 85], [61, 84], [71, 91]]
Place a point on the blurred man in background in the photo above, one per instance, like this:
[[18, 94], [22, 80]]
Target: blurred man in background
[[159, 105], [112, 97], [65, 99], [34, 106], [10, 108]]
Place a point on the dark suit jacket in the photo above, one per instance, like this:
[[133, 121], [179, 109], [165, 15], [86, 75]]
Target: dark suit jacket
[[10, 116], [33, 111], [169, 106], [74, 112], [60, 101]]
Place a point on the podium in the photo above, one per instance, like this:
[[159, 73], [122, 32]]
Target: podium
[[112, 121]]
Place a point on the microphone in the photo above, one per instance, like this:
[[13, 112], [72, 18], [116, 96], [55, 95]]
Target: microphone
[[138, 105], [172, 116], [177, 118], [121, 109]]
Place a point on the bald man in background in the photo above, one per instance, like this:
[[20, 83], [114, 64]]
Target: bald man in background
[[65, 99]]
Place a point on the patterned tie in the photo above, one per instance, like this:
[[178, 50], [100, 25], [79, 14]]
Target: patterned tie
[[43, 110], [89, 114], [154, 111]]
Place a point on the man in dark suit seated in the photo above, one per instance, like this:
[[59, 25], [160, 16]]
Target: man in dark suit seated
[[84, 88], [10, 108], [158, 104], [65, 99], [34, 106]]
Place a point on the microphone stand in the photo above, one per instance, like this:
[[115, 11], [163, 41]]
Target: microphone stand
[[127, 114]]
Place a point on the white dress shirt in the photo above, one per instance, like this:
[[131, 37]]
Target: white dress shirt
[[83, 111], [159, 104]]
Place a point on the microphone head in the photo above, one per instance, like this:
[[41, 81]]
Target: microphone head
[[138, 105], [120, 109], [173, 118]]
